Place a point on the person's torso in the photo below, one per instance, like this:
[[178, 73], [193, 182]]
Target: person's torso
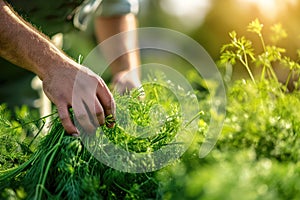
[[50, 17]]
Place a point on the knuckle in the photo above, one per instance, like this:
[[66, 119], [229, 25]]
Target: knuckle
[[81, 117], [109, 103], [99, 113]]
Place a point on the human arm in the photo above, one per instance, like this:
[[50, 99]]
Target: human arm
[[124, 68], [26, 47]]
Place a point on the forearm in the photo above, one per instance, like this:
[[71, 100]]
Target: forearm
[[24, 46], [65, 82], [106, 27]]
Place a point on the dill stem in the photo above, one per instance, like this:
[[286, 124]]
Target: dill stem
[[263, 73], [273, 73], [53, 151], [245, 63], [195, 117], [288, 79], [30, 122], [262, 42]]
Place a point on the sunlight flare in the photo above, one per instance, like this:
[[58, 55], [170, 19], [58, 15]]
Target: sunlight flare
[[269, 8]]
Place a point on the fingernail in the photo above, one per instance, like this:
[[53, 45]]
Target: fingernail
[[110, 125], [75, 134]]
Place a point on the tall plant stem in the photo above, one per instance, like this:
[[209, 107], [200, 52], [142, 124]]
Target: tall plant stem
[[262, 42], [273, 75], [288, 79], [245, 63]]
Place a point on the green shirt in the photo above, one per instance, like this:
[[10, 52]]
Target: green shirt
[[56, 16]]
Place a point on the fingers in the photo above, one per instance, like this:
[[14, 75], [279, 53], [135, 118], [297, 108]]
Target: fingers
[[124, 82], [87, 116], [91, 101], [99, 113], [107, 102], [66, 121], [90, 111]]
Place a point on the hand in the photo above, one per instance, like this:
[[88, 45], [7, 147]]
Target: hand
[[125, 81], [78, 87], [66, 83]]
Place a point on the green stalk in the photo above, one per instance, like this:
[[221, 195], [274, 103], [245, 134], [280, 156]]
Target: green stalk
[[262, 42], [265, 50], [129, 192], [33, 121], [54, 144], [273, 73], [245, 63], [37, 134], [288, 79], [195, 117], [43, 176], [263, 73]]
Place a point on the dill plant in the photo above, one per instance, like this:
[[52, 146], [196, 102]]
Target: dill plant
[[262, 114], [62, 168], [241, 49], [257, 154]]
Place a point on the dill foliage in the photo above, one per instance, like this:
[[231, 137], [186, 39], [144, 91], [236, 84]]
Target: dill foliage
[[61, 167]]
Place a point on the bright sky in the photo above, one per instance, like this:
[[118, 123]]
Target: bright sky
[[190, 12]]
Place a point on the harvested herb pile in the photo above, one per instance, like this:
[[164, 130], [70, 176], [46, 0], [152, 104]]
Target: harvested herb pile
[[62, 168]]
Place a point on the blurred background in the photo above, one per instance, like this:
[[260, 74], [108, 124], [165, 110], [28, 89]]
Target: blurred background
[[209, 22], [206, 21]]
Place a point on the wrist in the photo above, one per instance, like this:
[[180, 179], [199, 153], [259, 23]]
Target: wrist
[[54, 65]]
